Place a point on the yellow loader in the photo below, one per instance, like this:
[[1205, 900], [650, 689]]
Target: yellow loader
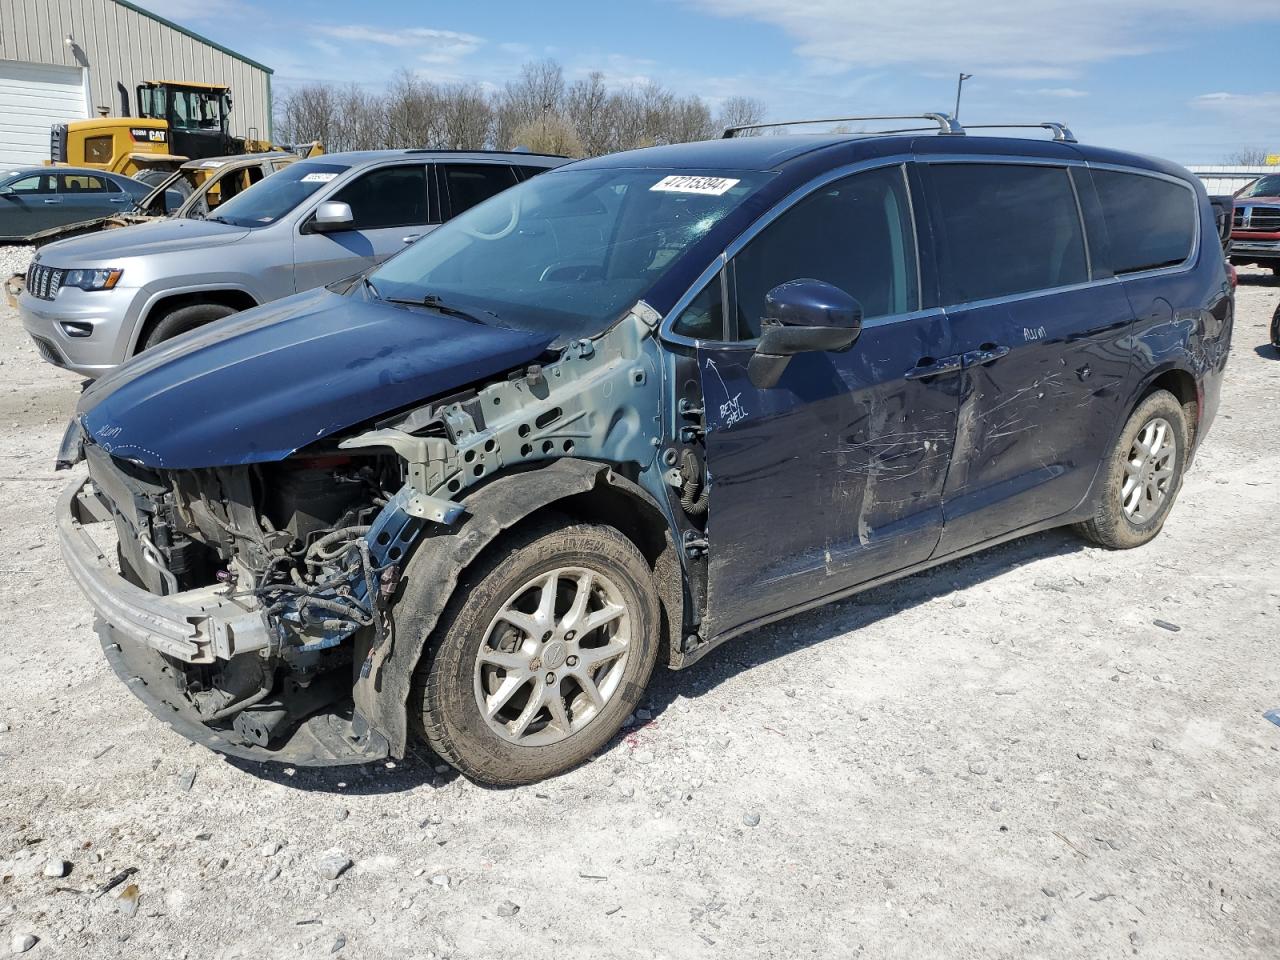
[[176, 122]]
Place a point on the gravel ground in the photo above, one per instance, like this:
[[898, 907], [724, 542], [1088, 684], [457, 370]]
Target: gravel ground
[[14, 259], [1005, 757]]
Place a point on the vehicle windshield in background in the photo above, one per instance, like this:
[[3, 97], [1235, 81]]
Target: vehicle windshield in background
[[267, 201], [566, 252], [1262, 187]]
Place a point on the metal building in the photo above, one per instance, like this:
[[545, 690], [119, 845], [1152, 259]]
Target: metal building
[[66, 60]]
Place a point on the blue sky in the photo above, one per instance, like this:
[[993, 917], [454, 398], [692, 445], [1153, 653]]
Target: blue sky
[[1192, 80]]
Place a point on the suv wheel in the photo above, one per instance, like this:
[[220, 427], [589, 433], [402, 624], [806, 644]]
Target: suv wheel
[[1142, 475], [543, 652], [182, 319]]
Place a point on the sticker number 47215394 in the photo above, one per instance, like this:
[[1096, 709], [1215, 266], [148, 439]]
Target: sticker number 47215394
[[710, 186]]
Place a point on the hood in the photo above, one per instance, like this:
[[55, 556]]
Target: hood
[[1257, 201], [261, 384], [141, 240]]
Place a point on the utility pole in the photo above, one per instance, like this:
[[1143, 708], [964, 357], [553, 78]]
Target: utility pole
[[959, 86]]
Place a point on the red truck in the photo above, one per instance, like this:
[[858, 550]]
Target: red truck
[[1255, 226]]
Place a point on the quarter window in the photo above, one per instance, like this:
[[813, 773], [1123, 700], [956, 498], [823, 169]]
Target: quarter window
[[1150, 222], [703, 318], [472, 183], [387, 197], [855, 233], [1006, 229]]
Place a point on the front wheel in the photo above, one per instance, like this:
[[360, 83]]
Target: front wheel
[[542, 653], [1142, 475], [183, 319]]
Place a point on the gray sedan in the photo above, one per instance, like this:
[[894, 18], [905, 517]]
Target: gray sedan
[[38, 198]]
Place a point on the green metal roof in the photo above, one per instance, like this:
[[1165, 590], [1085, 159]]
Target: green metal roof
[[193, 35]]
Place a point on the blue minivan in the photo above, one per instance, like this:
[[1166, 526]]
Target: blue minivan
[[627, 411]]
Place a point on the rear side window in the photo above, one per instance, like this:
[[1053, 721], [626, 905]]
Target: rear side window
[[472, 183], [1151, 223], [83, 183], [1006, 229], [855, 233], [387, 197]]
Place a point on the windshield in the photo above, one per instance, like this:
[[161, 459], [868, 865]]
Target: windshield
[[266, 202], [1262, 187], [568, 251]]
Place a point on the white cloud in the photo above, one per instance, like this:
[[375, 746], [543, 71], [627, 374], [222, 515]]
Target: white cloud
[[1033, 39], [1255, 104], [1062, 93], [436, 46]]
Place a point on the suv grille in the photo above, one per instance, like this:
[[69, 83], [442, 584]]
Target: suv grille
[[44, 282], [1258, 218]]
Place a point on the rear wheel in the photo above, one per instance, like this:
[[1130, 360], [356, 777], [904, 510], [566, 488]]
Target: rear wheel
[[182, 319], [1275, 328], [1142, 475], [541, 655]]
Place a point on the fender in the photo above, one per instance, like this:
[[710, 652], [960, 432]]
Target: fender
[[382, 699], [154, 298]]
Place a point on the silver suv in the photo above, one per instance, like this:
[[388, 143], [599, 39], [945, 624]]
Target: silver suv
[[92, 302]]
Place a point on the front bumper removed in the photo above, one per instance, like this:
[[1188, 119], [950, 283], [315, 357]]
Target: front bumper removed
[[142, 634]]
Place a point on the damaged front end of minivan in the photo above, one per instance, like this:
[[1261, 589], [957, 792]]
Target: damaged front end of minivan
[[259, 605]]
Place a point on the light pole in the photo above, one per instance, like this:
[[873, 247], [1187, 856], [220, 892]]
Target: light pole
[[959, 86]]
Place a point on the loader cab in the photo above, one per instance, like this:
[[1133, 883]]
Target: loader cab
[[197, 115]]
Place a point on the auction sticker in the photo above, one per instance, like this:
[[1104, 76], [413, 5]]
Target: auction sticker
[[708, 186], [318, 177]]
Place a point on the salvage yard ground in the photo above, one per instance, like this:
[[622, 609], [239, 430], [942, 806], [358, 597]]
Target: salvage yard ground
[[1046, 750]]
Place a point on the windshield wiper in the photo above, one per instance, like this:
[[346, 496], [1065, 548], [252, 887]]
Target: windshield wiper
[[433, 302], [215, 219]]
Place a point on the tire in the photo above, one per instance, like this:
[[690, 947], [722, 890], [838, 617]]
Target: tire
[[450, 682], [1275, 328], [153, 178], [182, 319], [1114, 524]]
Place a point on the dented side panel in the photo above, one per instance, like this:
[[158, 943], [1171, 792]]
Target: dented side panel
[[1036, 421], [831, 478]]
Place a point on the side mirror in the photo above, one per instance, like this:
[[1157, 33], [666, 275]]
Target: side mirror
[[331, 216], [802, 316]]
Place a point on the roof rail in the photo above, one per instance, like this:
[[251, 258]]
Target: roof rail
[[946, 124], [1061, 132]]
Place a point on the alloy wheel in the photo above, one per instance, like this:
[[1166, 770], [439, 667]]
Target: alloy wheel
[[553, 657], [1148, 471]]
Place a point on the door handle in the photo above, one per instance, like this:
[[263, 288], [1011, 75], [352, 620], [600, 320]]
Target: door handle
[[119, 200], [931, 367], [409, 238], [52, 199], [987, 353]]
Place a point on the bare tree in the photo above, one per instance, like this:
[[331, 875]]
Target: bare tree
[[536, 109], [308, 113], [412, 109], [466, 118], [587, 109], [1247, 157], [537, 92], [359, 121], [740, 111]]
